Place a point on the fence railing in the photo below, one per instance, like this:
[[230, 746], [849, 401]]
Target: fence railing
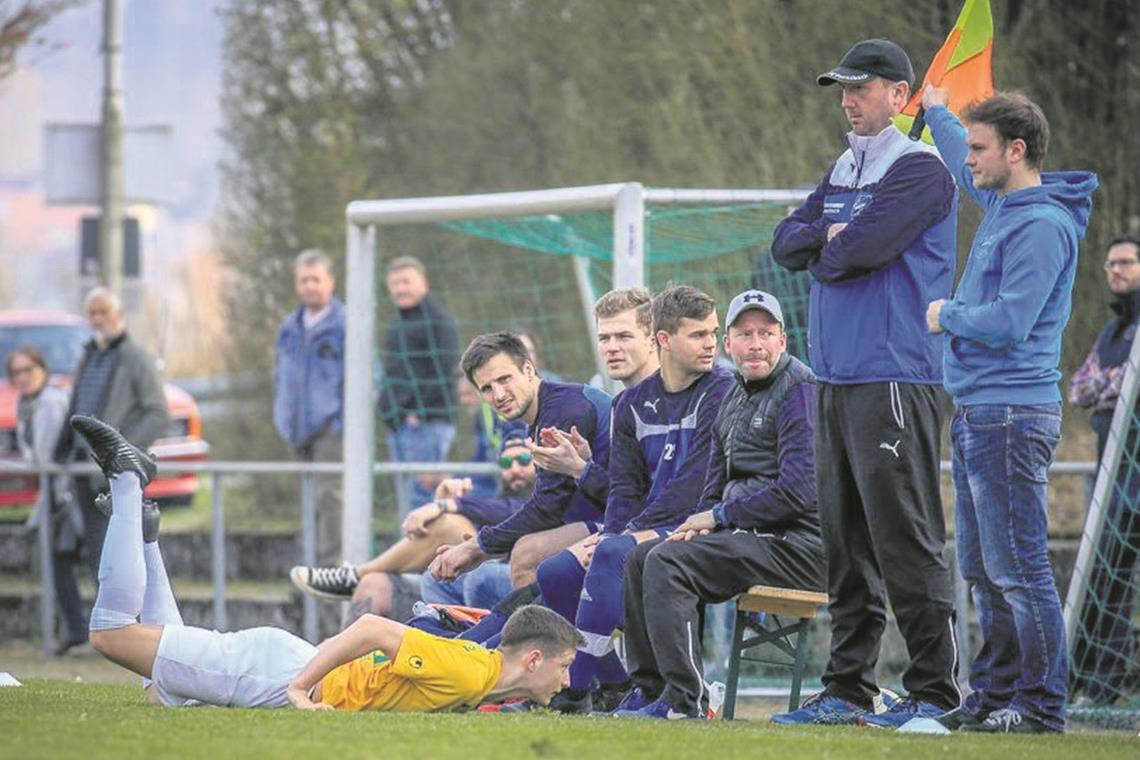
[[306, 471]]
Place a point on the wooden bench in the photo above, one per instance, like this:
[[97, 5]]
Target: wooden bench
[[799, 607]]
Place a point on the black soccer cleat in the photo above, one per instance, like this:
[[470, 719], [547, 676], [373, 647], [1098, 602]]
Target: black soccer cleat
[[111, 451], [150, 515]]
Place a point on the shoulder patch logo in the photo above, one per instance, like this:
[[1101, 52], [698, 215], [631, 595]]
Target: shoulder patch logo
[[415, 662]]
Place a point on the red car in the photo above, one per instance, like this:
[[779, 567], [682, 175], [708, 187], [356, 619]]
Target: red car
[[60, 336]]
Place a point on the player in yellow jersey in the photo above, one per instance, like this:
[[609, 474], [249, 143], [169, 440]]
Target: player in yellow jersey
[[374, 664]]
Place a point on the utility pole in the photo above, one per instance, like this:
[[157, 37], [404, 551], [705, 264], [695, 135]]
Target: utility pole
[[111, 222]]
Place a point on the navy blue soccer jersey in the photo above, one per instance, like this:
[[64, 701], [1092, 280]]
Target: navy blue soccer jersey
[[556, 499], [660, 450]]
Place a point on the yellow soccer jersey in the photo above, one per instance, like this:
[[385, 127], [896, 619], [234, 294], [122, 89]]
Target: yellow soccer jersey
[[427, 674]]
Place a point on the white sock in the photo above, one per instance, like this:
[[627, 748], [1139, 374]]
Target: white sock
[[122, 570], [159, 606]]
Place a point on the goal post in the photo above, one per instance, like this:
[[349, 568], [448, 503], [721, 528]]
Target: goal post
[[626, 202]]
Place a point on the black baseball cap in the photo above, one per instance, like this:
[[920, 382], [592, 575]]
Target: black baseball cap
[[870, 58]]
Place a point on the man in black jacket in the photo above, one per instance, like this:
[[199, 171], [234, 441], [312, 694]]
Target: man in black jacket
[[757, 520], [417, 400]]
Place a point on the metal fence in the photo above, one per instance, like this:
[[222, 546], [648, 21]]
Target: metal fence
[[306, 471]]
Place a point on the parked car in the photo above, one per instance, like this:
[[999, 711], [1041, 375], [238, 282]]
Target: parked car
[[60, 336]]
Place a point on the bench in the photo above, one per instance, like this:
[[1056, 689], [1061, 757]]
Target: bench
[[798, 607]]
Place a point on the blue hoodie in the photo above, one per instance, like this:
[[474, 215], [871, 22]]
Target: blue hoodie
[[1011, 306]]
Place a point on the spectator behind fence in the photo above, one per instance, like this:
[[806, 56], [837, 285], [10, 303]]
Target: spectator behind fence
[[878, 235], [417, 397], [1003, 344], [308, 387], [116, 380], [1104, 647], [378, 586], [41, 414]]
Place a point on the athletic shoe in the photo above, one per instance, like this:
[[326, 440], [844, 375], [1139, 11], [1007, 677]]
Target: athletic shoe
[[657, 709], [150, 515], [111, 451], [608, 696], [901, 712], [822, 709], [572, 702], [958, 718], [1008, 721], [335, 583], [634, 700]]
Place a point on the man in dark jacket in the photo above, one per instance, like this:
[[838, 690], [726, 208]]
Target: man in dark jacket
[[878, 235], [116, 381], [756, 521], [1103, 647], [417, 398], [308, 387]]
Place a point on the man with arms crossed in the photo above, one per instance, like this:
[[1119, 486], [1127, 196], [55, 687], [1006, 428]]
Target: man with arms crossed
[[878, 237]]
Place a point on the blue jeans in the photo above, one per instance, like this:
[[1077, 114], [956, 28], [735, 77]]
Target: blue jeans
[[483, 587], [1001, 457], [426, 442]]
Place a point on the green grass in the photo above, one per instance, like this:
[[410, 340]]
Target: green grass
[[60, 719]]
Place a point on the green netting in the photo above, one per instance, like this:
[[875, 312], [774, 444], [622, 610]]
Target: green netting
[[1105, 664]]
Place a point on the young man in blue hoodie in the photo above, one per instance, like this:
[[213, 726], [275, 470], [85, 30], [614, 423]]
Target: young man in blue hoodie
[[878, 236], [1004, 327]]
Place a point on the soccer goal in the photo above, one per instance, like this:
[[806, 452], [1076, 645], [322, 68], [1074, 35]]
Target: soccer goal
[[539, 259]]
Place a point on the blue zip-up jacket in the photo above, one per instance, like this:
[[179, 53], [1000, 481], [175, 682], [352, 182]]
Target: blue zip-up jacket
[[556, 499], [308, 377], [872, 282], [660, 451], [1013, 301]]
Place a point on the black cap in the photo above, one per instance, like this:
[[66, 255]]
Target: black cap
[[870, 58]]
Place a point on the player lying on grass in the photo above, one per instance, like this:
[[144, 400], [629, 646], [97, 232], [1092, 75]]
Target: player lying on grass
[[374, 664]]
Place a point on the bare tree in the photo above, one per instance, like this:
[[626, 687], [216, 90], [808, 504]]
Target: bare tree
[[19, 22]]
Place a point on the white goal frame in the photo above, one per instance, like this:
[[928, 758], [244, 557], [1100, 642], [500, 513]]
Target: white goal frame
[[626, 200]]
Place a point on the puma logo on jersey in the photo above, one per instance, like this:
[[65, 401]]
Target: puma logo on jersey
[[891, 447], [652, 404]]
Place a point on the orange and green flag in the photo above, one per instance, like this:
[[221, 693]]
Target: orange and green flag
[[963, 66]]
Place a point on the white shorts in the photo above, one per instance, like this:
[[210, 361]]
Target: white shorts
[[250, 668]]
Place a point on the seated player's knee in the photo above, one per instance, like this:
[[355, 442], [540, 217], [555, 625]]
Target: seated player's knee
[[557, 570], [375, 589], [103, 641]]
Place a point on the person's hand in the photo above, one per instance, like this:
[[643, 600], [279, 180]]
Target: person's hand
[[835, 229], [933, 312], [416, 523], [583, 551], [559, 452], [452, 561], [700, 524], [299, 698], [934, 96], [453, 488]]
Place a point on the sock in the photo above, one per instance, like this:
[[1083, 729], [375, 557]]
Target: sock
[[560, 580], [610, 669], [583, 671], [122, 570], [159, 606]]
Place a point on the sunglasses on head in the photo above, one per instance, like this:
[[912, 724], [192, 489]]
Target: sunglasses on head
[[523, 459]]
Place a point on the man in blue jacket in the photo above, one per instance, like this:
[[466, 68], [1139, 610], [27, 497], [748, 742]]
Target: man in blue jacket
[[878, 237], [308, 386], [1004, 327]]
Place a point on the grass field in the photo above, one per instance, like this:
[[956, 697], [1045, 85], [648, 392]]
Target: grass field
[[49, 719]]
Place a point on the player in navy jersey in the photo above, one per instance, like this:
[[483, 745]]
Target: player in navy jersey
[[658, 457], [498, 365]]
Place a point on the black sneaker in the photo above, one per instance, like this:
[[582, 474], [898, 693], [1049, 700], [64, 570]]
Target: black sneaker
[[335, 583], [958, 718], [111, 451], [150, 515], [1008, 721], [608, 696], [572, 702]]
